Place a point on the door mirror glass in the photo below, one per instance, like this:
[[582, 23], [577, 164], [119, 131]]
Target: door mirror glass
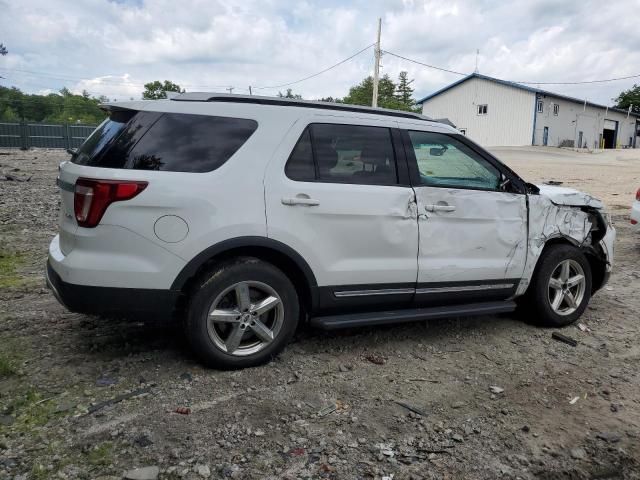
[[444, 161]]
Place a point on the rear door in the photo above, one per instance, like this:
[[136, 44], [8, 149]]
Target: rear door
[[472, 223], [339, 195]]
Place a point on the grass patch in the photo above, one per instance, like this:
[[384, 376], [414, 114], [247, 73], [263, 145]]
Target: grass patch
[[100, 455], [10, 357], [30, 411], [10, 263]]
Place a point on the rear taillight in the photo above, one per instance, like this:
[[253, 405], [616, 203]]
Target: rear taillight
[[638, 195], [92, 197]]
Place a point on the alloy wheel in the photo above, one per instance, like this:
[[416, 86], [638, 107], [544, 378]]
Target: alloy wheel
[[567, 286], [245, 318]]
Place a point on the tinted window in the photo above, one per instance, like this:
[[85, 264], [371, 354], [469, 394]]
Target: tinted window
[[166, 142], [445, 161], [354, 154], [93, 147], [343, 154], [300, 165]]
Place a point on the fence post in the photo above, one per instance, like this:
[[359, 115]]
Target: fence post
[[67, 136], [24, 136]]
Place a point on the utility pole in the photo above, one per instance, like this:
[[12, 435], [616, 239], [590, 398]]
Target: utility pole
[[376, 68], [250, 93], [230, 90]]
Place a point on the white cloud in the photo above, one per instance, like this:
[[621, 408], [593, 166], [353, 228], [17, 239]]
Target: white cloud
[[112, 48]]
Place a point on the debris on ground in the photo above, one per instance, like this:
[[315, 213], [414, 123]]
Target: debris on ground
[[411, 408], [573, 400], [182, 410], [375, 358], [564, 339], [145, 473], [327, 410], [583, 327], [125, 396], [495, 389]]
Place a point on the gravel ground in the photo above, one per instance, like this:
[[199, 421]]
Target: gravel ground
[[87, 398]]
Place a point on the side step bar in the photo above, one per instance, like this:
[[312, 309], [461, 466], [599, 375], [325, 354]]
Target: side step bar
[[334, 322]]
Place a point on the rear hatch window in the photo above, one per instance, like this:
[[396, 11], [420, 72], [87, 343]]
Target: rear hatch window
[[164, 141]]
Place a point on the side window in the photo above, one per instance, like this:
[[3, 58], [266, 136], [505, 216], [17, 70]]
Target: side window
[[300, 165], [189, 143], [444, 161], [338, 153]]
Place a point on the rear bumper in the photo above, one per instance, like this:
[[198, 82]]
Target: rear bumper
[[111, 300]]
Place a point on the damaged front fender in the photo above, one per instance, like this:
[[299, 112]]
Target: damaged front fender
[[574, 217]]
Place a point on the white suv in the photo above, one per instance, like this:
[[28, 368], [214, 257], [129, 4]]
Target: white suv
[[248, 214]]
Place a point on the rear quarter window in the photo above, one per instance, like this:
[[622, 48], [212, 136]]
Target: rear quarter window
[[167, 142]]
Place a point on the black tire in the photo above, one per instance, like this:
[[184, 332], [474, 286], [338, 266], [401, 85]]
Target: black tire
[[212, 285], [537, 303]]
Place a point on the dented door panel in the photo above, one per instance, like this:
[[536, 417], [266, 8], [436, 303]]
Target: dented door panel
[[483, 237]]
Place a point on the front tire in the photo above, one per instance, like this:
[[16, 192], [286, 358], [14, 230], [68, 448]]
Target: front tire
[[241, 314], [561, 286]]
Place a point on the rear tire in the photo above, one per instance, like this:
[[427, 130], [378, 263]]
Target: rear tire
[[560, 288], [242, 313]]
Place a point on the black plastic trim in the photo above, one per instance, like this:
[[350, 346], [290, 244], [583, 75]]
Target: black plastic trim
[[243, 242], [410, 315], [111, 300]]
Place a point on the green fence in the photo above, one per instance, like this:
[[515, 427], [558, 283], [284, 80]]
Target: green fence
[[43, 135]]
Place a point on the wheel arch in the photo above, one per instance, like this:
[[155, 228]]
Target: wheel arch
[[594, 255], [266, 249]]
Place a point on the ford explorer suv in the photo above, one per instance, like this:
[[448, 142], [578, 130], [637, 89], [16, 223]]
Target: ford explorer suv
[[247, 215]]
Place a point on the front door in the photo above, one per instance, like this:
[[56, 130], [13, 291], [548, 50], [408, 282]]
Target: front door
[[473, 231], [335, 194], [545, 136]]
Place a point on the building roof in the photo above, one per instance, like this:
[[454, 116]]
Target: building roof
[[521, 87]]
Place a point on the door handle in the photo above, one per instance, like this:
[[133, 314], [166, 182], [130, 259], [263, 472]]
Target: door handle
[[440, 208], [309, 202]]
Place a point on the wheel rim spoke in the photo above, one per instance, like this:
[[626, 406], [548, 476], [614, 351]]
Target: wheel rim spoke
[[265, 305], [224, 316], [575, 280], [557, 300], [242, 296], [233, 340], [261, 331], [555, 283], [570, 299], [565, 270]]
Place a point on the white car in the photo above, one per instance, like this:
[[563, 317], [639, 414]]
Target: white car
[[245, 215], [635, 210]]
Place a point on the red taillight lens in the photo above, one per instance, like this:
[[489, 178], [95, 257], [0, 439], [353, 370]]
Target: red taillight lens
[[92, 197], [638, 195]]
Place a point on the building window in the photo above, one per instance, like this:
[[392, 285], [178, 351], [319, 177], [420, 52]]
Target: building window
[[556, 108], [482, 109], [540, 106]]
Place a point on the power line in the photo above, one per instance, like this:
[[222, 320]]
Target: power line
[[515, 81], [318, 73], [424, 64]]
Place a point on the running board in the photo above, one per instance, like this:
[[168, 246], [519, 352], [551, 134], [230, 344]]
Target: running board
[[334, 322]]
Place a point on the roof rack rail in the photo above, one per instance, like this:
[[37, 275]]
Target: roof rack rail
[[287, 102]]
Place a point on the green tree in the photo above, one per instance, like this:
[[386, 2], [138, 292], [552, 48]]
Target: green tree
[[3, 50], [157, 89], [290, 94], [362, 93], [404, 92], [629, 97]]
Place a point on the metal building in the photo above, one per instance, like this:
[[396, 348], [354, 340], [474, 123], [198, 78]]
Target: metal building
[[495, 112]]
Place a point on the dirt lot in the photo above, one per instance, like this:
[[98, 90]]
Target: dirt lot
[[322, 409]]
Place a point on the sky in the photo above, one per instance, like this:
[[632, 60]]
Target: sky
[[113, 47]]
